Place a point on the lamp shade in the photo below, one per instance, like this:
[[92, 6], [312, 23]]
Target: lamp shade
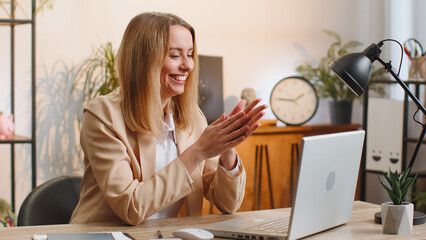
[[354, 69]]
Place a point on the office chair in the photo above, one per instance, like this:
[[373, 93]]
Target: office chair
[[50, 203]]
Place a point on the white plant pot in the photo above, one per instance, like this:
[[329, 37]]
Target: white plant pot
[[397, 219]]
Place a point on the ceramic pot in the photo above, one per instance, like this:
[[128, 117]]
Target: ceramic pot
[[340, 112], [397, 219]]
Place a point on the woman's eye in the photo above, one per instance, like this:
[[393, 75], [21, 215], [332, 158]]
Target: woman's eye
[[174, 56], [189, 55]]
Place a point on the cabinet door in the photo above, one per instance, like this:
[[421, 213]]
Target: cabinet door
[[280, 165], [282, 170]]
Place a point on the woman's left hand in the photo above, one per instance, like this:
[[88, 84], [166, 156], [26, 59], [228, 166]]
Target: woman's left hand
[[228, 159]]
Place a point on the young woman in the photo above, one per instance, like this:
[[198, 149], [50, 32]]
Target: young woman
[[148, 152]]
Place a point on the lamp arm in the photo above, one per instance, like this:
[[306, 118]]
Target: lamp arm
[[388, 67]]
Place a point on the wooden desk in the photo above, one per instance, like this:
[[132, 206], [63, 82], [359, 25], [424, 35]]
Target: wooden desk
[[361, 226]]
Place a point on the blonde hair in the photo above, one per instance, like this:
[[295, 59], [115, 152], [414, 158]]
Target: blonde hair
[[140, 59]]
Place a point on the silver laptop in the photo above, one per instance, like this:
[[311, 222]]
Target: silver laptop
[[325, 191]]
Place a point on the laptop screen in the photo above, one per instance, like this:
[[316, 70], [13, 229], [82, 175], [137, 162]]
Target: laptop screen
[[325, 189]]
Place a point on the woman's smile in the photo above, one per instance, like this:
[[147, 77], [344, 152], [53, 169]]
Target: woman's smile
[[180, 79]]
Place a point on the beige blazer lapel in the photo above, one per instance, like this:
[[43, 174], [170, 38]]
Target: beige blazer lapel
[[193, 201], [184, 140]]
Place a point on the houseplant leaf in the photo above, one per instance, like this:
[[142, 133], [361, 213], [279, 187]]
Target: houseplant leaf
[[399, 184]]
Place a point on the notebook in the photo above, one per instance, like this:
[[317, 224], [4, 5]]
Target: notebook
[[325, 190], [85, 236]]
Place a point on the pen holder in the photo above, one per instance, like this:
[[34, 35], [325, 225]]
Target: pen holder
[[417, 68]]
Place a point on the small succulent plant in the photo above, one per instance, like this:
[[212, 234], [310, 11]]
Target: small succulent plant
[[399, 185]]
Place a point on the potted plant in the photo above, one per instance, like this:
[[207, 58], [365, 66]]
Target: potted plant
[[329, 85], [397, 216], [95, 76], [66, 90]]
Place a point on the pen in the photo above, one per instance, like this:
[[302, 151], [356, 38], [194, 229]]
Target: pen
[[10, 220], [159, 234], [407, 52], [128, 235]]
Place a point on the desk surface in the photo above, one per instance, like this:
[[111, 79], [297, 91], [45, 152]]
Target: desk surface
[[360, 227]]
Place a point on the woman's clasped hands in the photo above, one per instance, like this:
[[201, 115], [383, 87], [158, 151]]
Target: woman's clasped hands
[[223, 135]]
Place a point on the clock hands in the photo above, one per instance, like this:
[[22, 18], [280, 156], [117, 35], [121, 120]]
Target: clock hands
[[301, 95], [285, 99], [291, 100]]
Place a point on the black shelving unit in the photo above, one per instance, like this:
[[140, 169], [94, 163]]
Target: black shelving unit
[[406, 118], [12, 22]]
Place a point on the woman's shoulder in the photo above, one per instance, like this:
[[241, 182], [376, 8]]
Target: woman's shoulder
[[105, 107]]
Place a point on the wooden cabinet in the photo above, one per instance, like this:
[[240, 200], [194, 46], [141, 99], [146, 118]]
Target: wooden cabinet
[[282, 144]]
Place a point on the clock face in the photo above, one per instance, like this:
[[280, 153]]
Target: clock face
[[294, 100]]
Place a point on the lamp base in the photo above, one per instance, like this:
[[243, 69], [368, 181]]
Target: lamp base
[[418, 218]]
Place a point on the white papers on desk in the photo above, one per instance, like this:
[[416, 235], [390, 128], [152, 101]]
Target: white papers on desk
[[94, 236]]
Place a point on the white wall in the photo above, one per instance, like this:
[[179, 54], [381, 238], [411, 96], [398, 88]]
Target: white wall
[[261, 42]]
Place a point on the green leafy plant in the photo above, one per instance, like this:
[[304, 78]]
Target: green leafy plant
[[323, 78], [44, 4], [97, 75], [69, 88], [399, 185]]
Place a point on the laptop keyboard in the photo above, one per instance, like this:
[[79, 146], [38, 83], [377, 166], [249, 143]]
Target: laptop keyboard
[[276, 226]]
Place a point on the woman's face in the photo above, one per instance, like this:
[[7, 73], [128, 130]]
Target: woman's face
[[178, 63]]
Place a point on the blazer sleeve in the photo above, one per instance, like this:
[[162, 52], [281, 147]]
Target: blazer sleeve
[[110, 161], [224, 191]]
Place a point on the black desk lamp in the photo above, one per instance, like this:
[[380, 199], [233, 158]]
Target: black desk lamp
[[354, 69]]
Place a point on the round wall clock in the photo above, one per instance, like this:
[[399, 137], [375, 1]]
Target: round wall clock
[[294, 100]]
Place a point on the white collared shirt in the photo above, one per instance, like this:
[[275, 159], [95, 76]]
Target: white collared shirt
[[166, 152]]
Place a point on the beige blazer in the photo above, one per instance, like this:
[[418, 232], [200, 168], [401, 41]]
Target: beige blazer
[[120, 183]]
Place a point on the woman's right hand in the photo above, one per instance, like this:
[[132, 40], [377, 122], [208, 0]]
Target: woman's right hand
[[223, 134]]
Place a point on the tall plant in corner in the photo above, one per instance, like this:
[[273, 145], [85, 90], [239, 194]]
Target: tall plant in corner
[[95, 76], [65, 90]]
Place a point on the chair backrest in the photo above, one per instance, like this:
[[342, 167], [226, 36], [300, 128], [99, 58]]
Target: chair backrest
[[50, 203]]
